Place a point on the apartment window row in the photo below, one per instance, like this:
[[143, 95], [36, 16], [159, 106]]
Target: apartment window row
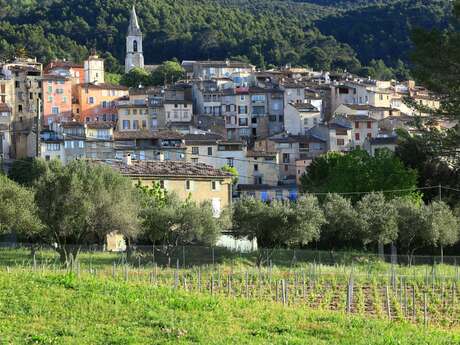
[[53, 147], [134, 124], [73, 144]]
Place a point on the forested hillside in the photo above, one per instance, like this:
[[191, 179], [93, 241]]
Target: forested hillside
[[324, 34]]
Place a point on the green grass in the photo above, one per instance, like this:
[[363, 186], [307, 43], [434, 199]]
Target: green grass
[[52, 308]]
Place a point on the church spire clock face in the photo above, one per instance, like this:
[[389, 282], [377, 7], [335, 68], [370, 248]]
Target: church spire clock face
[[134, 56]]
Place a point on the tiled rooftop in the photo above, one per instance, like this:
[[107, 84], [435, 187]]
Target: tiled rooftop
[[166, 169]]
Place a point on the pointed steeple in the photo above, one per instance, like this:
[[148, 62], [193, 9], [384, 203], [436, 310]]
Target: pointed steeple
[[134, 29]]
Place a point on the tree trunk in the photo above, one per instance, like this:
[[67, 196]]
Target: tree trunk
[[394, 254], [381, 251], [442, 255], [68, 253]]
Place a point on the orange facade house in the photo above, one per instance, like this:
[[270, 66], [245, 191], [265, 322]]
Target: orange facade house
[[57, 98], [97, 102]]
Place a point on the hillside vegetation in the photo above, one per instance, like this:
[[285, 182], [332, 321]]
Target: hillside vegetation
[[324, 34]]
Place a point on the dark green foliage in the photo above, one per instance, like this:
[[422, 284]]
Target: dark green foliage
[[167, 73], [27, 171], [424, 153], [381, 30], [279, 224], [263, 32], [358, 172], [18, 212], [81, 203], [436, 60], [135, 78]]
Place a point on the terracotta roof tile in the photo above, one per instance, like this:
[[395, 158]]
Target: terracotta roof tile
[[166, 169]]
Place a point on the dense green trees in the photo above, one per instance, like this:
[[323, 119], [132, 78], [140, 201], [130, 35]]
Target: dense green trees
[[379, 223], [170, 222], [18, 212], [435, 64], [264, 32], [168, 72], [357, 171], [278, 224], [135, 78], [81, 203], [343, 223]]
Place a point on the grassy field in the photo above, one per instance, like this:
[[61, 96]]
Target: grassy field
[[56, 308]]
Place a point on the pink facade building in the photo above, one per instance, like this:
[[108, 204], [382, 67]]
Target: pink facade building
[[57, 99]]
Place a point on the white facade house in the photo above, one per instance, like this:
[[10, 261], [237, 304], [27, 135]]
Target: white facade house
[[300, 117]]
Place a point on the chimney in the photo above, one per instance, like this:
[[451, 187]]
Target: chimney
[[127, 159]]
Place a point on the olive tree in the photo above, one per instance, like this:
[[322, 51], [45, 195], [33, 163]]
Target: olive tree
[[379, 223], [343, 223], [18, 211], [444, 226], [81, 203], [170, 222], [279, 224], [413, 225]]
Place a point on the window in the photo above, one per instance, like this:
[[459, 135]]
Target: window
[[356, 136], [17, 84], [272, 118], [162, 184], [50, 99], [195, 150], [104, 104], [369, 124], [285, 157], [242, 97], [281, 118], [243, 121], [258, 98], [256, 167], [286, 167], [369, 135], [126, 124], [135, 46], [258, 110], [340, 142], [356, 124], [305, 122], [209, 151], [230, 162], [214, 185], [64, 99], [144, 123], [55, 110], [81, 144], [91, 100], [276, 106], [188, 185], [53, 147], [136, 124], [20, 108]]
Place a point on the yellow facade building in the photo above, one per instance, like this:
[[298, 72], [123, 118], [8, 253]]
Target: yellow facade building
[[200, 181]]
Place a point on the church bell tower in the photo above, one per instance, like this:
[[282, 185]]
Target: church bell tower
[[134, 56]]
